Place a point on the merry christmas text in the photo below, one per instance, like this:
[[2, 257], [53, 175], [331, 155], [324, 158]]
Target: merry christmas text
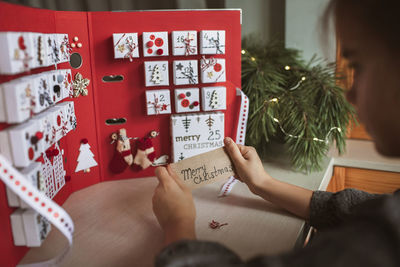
[[201, 174]]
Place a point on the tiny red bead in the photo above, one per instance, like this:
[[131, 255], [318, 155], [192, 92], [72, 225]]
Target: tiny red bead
[[149, 44], [160, 52]]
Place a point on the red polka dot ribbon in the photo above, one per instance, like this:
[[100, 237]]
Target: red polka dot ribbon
[[38, 201], [240, 137]]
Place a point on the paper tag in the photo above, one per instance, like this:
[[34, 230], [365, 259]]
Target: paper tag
[[205, 168]]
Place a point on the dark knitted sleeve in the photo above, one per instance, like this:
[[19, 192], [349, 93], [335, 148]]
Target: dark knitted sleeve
[[331, 209]]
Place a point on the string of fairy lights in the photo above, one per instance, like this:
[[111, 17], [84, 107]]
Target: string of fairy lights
[[276, 100]]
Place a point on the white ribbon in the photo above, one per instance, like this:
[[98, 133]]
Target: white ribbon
[[38, 201], [240, 137]]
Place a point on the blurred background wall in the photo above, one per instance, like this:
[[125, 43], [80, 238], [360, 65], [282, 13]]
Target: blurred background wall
[[296, 22]]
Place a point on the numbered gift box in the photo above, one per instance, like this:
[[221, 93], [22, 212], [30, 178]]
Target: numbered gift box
[[22, 144], [16, 52], [197, 133], [184, 43], [212, 70], [36, 228], [156, 73], [39, 50], [59, 129], [155, 44], [213, 98], [212, 42], [187, 100], [64, 47], [158, 102], [185, 72], [45, 121], [126, 45], [18, 100]]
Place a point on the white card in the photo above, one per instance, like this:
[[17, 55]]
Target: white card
[[184, 43], [57, 86], [155, 44], [16, 52], [36, 228], [193, 134], [212, 42], [66, 88], [213, 98], [187, 100], [156, 73], [126, 45], [58, 127], [52, 48], [40, 92], [185, 72], [68, 117], [212, 70], [17, 228], [45, 121], [158, 102]]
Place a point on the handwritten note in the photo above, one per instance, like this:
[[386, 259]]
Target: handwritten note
[[205, 168]]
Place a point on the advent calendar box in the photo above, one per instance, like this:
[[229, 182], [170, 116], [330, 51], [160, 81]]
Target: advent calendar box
[[36, 228], [16, 49]]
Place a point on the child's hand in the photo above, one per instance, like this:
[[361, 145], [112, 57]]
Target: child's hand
[[173, 206], [247, 164]]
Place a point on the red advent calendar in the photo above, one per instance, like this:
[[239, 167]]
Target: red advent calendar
[[88, 97]]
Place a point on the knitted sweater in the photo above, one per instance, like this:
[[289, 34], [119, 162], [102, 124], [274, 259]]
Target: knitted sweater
[[355, 228]]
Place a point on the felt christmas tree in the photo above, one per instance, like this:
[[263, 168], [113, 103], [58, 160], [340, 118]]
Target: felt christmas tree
[[85, 158]]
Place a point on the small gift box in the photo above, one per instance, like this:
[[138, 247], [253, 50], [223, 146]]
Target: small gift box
[[187, 100], [212, 70], [36, 228], [16, 52], [64, 47], [158, 102], [184, 43], [185, 72], [39, 50], [156, 73], [213, 98], [155, 44], [212, 42], [69, 118], [126, 45], [52, 49]]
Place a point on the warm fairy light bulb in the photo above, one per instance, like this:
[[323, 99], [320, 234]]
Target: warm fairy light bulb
[[274, 99], [287, 67], [303, 78], [253, 59], [243, 52], [339, 130], [315, 139], [275, 119]]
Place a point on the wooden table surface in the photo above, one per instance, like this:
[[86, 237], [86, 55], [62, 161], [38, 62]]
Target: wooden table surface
[[115, 225]]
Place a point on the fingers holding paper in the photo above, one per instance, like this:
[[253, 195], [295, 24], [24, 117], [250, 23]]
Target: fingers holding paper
[[173, 206], [247, 164]]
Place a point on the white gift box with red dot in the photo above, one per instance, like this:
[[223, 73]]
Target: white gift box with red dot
[[185, 72], [68, 116], [16, 52], [39, 50], [212, 70], [196, 133], [66, 87], [45, 121], [155, 44], [184, 43], [18, 100], [187, 100], [213, 98], [126, 45], [22, 144], [57, 122], [158, 102], [64, 47], [156, 73], [36, 228], [212, 42]]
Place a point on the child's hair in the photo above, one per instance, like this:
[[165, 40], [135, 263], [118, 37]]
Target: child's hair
[[380, 16]]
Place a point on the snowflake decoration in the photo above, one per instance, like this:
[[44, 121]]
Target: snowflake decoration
[[80, 85]]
